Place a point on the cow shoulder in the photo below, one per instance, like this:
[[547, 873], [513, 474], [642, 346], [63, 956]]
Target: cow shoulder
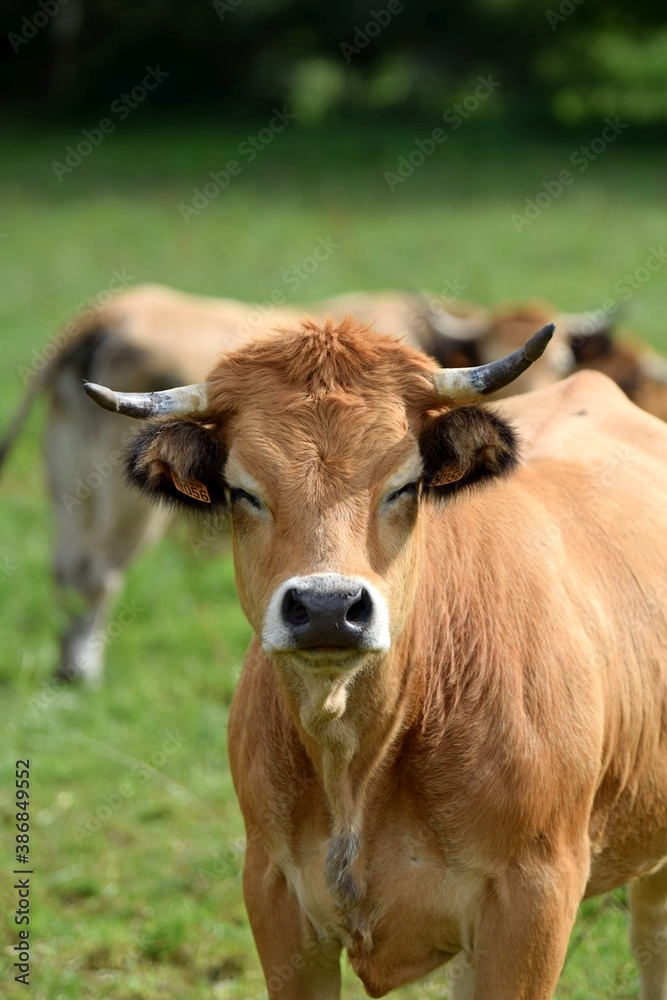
[[582, 419]]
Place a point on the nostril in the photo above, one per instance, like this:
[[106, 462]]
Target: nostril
[[359, 613], [295, 611]]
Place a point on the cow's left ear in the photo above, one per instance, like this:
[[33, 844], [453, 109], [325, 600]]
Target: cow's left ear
[[464, 447]]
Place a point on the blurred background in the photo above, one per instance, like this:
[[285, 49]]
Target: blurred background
[[497, 151], [566, 64]]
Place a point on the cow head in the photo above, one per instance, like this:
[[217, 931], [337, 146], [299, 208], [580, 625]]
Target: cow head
[[322, 445]]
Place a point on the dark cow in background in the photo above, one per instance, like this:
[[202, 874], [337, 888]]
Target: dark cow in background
[[450, 725], [587, 341], [151, 336]]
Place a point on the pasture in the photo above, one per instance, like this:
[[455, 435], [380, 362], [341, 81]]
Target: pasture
[[136, 838]]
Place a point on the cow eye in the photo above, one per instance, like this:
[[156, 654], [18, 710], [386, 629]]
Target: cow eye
[[410, 489], [237, 495]]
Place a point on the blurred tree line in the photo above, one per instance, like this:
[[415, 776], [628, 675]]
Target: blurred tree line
[[558, 61]]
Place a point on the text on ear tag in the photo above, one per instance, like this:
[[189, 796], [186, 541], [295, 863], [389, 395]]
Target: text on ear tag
[[448, 474], [192, 488]]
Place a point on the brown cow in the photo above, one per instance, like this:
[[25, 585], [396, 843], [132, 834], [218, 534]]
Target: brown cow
[[450, 725]]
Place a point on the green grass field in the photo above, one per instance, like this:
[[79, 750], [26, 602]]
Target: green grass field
[[136, 836]]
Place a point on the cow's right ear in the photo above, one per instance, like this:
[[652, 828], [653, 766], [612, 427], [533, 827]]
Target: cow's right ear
[[178, 462]]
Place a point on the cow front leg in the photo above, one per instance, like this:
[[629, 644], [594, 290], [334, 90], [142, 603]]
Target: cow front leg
[[297, 964], [84, 640], [523, 932], [648, 906]]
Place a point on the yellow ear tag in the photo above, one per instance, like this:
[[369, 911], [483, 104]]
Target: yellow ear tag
[[192, 488], [448, 474]]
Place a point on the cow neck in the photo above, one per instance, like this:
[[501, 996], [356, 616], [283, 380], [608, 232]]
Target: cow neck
[[349, 751]]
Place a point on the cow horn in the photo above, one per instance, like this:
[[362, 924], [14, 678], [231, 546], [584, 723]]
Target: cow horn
[[185, 401], [458, 384], [451, 384], [447, 324]]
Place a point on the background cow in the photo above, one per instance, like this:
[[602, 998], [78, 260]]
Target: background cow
[[587, 340]]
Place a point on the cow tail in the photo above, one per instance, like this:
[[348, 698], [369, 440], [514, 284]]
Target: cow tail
[[40, 382]]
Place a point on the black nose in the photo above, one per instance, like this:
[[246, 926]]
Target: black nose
[[317, 618]]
